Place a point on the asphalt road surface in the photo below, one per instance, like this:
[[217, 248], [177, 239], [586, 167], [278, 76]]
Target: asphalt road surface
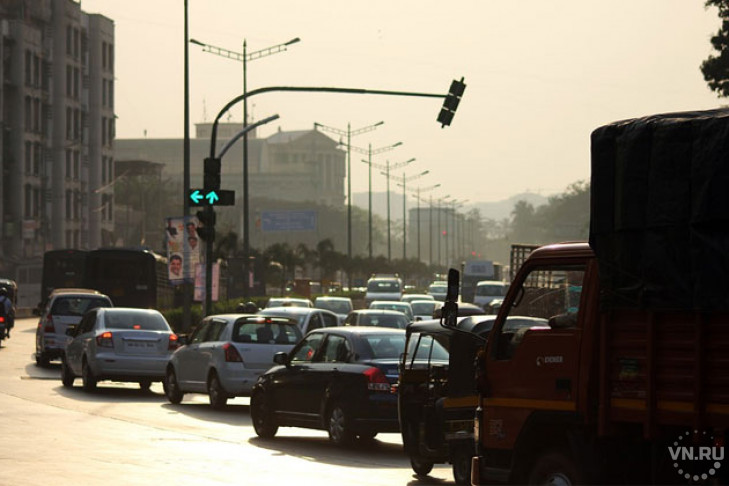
[[119, 435]]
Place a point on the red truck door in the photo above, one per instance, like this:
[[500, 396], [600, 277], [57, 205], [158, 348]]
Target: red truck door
[[533, 355]]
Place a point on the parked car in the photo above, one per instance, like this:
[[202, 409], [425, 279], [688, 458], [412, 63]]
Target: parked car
[[489, 290], [341, 306], [226, 354], [337, 379], [438, 290], [63, 308], [403, 307], [414, 297], [423, 310], [381, 287], [377, 318], [288, 302], [120, 344], [307, 319]]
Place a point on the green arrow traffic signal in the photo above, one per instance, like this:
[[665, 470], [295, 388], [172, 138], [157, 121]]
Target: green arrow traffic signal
[[211, 197]]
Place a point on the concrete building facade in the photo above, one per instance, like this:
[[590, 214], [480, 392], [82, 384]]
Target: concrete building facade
[[57, 116]]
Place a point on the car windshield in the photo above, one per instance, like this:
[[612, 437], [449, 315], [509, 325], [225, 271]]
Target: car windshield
[[383, 286], [299, 318], [428, 347], [77, 306], [492, 289], [384, 320], [438, 289], [148, 321], [265, 332], [423, 308], [386, 346], [336, 306]]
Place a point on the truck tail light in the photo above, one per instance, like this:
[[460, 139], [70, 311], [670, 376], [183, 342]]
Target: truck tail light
[[376, 380], [104, 340], [174, 342], [231, 354]]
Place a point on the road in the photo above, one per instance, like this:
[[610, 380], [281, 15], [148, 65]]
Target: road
[[120, 435]]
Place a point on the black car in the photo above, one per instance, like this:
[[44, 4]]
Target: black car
[[338, 379]]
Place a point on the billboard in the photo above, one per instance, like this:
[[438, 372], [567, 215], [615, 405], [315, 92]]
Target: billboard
[[183, 245], [284, 220]]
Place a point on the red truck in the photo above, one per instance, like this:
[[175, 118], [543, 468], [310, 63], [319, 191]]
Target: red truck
[[609, 361]]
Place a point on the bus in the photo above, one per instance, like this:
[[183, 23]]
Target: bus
[[62, 269], [130, 277]]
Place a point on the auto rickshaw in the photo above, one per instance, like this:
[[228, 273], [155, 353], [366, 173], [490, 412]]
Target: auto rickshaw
[[437, 393]]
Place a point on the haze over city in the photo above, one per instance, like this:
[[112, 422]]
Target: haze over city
[[540, 77]]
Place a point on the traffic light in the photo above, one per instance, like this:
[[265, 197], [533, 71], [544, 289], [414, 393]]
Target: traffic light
[[211, 175], [450, 103], [206, 229]]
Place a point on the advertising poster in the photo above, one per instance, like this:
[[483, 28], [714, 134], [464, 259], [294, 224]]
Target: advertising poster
[[200, 282], [183, 245]]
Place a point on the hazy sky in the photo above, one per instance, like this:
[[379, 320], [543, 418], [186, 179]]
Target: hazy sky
[[541, 76]]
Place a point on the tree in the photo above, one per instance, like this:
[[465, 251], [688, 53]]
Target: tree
[[716, 68]]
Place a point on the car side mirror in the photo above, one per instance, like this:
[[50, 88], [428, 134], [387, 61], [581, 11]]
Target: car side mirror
[[281, 358]]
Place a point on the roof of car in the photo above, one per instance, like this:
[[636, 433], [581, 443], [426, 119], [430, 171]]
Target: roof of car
[[234, 317], [75, 291], [291, 310], [332, 297], [361, 330], [377, 311], [475, 324]]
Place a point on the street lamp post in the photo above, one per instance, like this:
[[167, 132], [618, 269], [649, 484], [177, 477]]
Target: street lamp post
[[430, 216], [404, 208], [244, 57], [386, 173], [440, 232], [349, 133], [369, 163]]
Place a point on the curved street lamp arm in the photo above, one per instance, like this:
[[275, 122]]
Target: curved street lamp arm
[[247, 129]]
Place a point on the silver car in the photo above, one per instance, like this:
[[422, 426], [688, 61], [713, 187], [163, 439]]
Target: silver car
[[226, 354], [63, 308], [341, 306], [119, 344], [403, 307]]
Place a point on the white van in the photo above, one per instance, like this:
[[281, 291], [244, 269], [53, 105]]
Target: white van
[[488, 290], [383, 288]]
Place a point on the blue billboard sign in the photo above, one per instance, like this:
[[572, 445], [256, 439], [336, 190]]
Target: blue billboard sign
[[288, 220]]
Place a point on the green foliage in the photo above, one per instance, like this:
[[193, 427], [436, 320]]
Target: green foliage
[[716, 68]]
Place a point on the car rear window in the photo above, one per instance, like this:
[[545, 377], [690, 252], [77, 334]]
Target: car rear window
[[77, 306], [383, 286], [135, 321], [422, 308], [386, 346], [266, 332], [336, 306], [392, 321]]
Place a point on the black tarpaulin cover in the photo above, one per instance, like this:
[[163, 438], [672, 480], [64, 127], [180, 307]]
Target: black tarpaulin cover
[[660, 211]]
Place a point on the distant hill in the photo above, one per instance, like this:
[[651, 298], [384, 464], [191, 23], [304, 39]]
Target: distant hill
[[494, 210]]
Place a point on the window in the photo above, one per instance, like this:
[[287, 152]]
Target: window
[[28, 113], [37, 158], [103, 55], [199, 334], [314, 322], [215, 330], [68, 207], [69, 40], [68, 164], [36, 202], [76, 165], [103, 170], [150, 321], [69, 80], [76, 82], [69, 123], [103, 130], [330, 320], [28, 157], [28, 201], [336, 349], [306, 349], [28, 80]]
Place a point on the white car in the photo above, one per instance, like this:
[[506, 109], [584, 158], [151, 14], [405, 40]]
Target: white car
[[439, 290], [414, 297], [307, 319], [383, 288], [403, 307], [341, 306], [119, 344], [288, 302], [424, 309], [226, 354], [63, 308], [489, 290]]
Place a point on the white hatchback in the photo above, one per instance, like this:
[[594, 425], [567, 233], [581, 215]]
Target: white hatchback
[[226, 354]]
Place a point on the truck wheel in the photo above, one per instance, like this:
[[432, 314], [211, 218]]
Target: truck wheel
[[554, 468], [422, 467], [461, 460]]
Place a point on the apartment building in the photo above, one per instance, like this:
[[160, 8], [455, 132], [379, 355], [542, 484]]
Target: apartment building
[[57, 118]]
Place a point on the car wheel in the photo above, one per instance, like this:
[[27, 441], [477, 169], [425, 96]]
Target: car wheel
[[41, 359], [87, 377], [66, 375], [171, 387], [339, 426], [555, 468], [261, 416], [461, 460], [218, 397], [422, 467], [145, 385]]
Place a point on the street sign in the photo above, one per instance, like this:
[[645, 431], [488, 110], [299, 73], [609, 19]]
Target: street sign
[[200, 197]]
